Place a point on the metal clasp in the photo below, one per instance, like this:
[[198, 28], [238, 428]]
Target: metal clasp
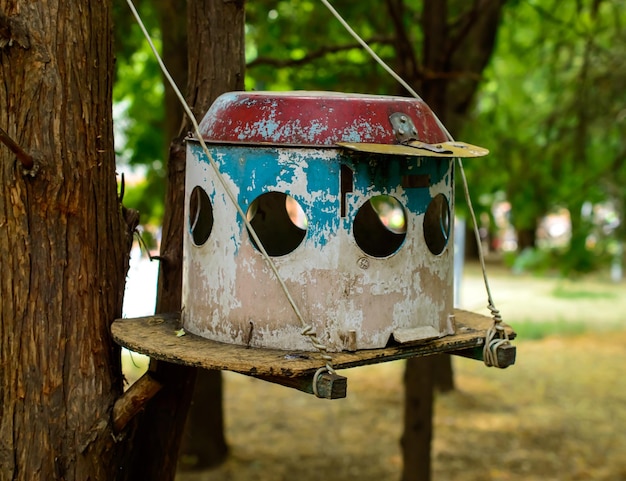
[[403, 127]]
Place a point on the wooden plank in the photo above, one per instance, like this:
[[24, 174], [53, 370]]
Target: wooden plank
[[329, 386], [156, 336], [506, 354]]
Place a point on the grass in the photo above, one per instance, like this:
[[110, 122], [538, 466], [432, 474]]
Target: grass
[[533, 330], [563, 292], [554, 416]]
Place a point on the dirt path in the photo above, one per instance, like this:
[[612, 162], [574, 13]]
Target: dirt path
[[559, 414]]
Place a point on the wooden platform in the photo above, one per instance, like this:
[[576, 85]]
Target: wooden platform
[[157, 337]]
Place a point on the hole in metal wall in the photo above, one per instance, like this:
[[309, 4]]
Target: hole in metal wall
[[279, 222], [200, 216], [437, 224], [380, 226]]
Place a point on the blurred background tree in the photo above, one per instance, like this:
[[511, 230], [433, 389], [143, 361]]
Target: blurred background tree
[[550, 105], [139, 113], [552, 109]]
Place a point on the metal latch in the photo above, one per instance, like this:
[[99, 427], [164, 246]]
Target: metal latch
[[403, 127]]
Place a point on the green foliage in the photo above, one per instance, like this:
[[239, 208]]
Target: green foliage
[[552, 110], [139, 94], [299, 45], [533, 330], [562, 292], [551, 107], [540, 261], [139, 111]]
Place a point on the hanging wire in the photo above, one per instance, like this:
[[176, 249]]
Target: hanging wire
[[307, 329], [496, 335], [369, 50]]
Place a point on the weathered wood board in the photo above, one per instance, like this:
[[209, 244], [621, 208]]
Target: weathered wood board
[[156, 336]]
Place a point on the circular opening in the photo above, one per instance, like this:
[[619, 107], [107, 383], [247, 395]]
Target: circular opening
[[279, 222], [380, 226], [437, 224], [200, 216]]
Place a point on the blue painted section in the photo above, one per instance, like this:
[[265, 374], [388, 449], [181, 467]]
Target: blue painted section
[[256, 170], [383, 174]]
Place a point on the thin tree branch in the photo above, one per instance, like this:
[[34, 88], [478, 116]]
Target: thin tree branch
[[322, 52], [134, 400], [26, 159], [410, 67], [554, 19], [427, 74], [465, 24]]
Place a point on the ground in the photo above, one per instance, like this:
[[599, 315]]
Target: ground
[[558, 414]]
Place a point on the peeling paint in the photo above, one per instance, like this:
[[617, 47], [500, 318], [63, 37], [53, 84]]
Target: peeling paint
[[312, 118], [227, 284]]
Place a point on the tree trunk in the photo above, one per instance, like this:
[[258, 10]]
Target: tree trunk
[[216, 65], [471, 245], [63, 244], [465, 49], [173, 20], [204, 443], [435, 94], [443, 375], [418, 415], [419, 377], [526, 238]]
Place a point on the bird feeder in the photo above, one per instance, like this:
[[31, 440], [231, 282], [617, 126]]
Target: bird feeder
[[352, 198], [358, 224]]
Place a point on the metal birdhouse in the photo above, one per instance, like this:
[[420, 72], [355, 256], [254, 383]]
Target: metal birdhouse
[[318, 222], [352, 197]]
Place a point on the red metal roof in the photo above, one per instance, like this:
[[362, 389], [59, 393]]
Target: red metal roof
[[313, 118]]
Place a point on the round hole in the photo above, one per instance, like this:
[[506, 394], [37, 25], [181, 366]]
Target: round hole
[[200, 216], [437, 224], [279, 222], [380, 226]]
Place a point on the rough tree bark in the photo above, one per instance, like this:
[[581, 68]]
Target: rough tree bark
[[215, 65], [63, 243]]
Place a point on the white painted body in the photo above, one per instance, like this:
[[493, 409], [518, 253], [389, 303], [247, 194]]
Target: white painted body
[[230, 294]]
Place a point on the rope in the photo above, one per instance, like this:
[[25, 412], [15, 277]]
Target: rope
[[307, 329], [316, 376], [496, 335], [496, 332], [495, 338]]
